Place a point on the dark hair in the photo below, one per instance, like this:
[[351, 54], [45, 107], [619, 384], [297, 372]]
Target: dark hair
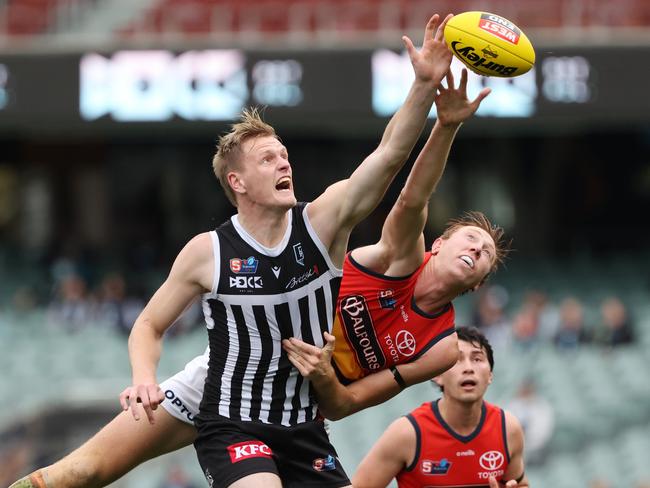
[[477, 338]]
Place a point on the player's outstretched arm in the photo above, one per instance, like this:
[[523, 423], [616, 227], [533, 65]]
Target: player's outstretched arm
[[336, 401], [402, 243], [191, 275], [347, 202], [394, 451]]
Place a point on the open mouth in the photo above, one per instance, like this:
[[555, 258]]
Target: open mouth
[[468, 384], [469, 261], [284, 184]]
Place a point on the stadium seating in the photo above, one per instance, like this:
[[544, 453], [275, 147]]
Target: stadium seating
[[313, 18]]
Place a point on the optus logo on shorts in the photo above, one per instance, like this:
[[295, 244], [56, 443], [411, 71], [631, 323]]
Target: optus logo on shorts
[[248, 450], [361, 332]]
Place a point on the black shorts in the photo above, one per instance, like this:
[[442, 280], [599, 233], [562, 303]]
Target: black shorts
[[301, 456]]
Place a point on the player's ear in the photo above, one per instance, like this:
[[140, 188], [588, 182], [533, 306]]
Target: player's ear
[[435, 247], [490, 378], [236, 182]]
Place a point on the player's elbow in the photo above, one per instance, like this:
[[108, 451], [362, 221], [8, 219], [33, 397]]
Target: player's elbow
[[449, 355]]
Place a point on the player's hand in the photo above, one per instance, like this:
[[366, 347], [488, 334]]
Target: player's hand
[[150, 396], [495, 484], [432, 61], [452, 104], [311, 361]]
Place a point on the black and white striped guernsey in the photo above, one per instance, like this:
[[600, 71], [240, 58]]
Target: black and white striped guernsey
[[259, 297]]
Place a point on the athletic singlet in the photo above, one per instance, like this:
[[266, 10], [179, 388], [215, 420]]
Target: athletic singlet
[[259, 297], [378, 323], [444, 458]]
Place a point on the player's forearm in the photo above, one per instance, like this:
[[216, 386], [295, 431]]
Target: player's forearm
[[145, 346], [405, 127], [334, 399], [429, 167]]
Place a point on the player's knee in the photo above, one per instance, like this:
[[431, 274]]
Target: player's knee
[[34, 480]]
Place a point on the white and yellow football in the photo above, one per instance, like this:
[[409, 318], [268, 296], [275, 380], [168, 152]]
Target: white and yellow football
[[489, 45]]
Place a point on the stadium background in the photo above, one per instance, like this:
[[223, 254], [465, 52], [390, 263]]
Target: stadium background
[[109, 114]]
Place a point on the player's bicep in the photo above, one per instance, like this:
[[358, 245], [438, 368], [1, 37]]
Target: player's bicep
[[393, 452], [402, 231], [190, 276], [515, 436]]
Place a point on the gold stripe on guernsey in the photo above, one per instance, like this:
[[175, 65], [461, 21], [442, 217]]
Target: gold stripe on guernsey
[[344, 357]]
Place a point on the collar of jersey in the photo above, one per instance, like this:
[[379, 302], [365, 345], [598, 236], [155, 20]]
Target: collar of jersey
[[250, 240]]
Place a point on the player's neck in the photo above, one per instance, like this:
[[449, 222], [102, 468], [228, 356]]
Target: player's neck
[[266, 225], [431, 294], [462, 417]]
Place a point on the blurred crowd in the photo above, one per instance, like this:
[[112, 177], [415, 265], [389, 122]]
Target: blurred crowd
[[74, 303], [537, 321]]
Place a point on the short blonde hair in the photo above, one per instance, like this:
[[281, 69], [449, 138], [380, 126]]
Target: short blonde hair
[[480, 220], [228, 152]]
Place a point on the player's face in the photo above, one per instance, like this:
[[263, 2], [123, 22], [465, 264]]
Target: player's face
[[265, 176], [466, 257], [469, 378]]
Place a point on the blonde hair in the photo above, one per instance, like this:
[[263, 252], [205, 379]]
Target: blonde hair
[[228, 152], [480, 220]]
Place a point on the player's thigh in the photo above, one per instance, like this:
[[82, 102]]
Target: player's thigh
[[258, 480], [120, 446]]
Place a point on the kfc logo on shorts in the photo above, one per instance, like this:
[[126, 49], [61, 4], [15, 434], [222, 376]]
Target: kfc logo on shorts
[[248, 450]]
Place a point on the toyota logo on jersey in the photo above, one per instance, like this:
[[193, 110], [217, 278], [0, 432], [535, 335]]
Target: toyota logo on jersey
[[405, 342], [491, 460]]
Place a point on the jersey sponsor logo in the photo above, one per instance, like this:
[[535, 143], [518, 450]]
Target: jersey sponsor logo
[[299, 254], [245, 282], [500, 27], [248, 450], [491, 460], [244, 266], [469, 452], [405, 343], [177, 402], [276, 271], [405, 316], [431, 467], [361, 332], [386, 299], [303, 278], [327, 464]]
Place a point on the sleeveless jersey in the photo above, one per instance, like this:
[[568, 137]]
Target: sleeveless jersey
[[444, 458], [259, 297], [378, 323]]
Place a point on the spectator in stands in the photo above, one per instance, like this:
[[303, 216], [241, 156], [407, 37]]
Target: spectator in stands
[[490, 318], [176, 478], [116, 309], [71, 309], [572, 330], [537, 418], [616, 328], [599, 483], [547, 314], [525, 325]]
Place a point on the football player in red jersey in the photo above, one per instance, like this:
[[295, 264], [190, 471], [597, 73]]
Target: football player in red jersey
[[394, 323], [459, 440]]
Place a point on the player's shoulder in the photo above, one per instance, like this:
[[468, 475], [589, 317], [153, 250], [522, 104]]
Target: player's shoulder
[[514, 431], [197, 249]]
